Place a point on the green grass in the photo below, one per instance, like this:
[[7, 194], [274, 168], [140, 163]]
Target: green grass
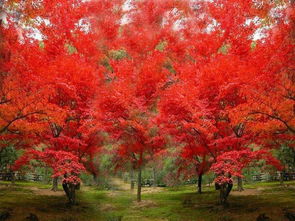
[[27, 184], [171, 204], [269, 184]]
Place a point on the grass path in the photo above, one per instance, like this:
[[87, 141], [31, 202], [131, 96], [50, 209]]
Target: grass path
[[119, 184]]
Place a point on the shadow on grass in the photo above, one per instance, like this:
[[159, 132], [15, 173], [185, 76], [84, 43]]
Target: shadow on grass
[[20, 202]]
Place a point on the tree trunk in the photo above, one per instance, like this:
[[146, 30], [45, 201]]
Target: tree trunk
[[282, 177], [54, 184], [70, 190], [224, 192], [73, 193], [95, 179], [200, 183], [240, 184], [154, 177], [222, 196], [139, 185], [132, 179], [12, 177]]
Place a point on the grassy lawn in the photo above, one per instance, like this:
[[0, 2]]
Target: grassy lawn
[[171, 204]]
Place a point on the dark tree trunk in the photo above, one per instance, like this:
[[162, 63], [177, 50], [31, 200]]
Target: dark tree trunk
[[139, 185], [282, 177], [70, 190], [12, 177], [54, 184], [132, 179], [240, 184], [95, 179], [200, 183], [224, 192], [154, 177]]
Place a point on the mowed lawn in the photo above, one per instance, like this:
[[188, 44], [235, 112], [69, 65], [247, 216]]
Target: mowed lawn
[[171, 204]]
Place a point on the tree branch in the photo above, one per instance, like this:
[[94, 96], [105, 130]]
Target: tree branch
[[19, 118], [5, 101], [275, 118]]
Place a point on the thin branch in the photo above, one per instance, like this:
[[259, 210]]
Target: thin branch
[[19, 118], [274, 117], [204, 143], [5, 101]]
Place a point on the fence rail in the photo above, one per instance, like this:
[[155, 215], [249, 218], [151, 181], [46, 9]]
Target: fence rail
[[9, 176], [274, 177]]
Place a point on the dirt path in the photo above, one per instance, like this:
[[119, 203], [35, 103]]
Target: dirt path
[[248, 192], [120, 184], [46, 192], [260, 190]]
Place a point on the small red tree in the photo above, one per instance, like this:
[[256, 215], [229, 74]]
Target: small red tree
[[232, 163], [62, 163]]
